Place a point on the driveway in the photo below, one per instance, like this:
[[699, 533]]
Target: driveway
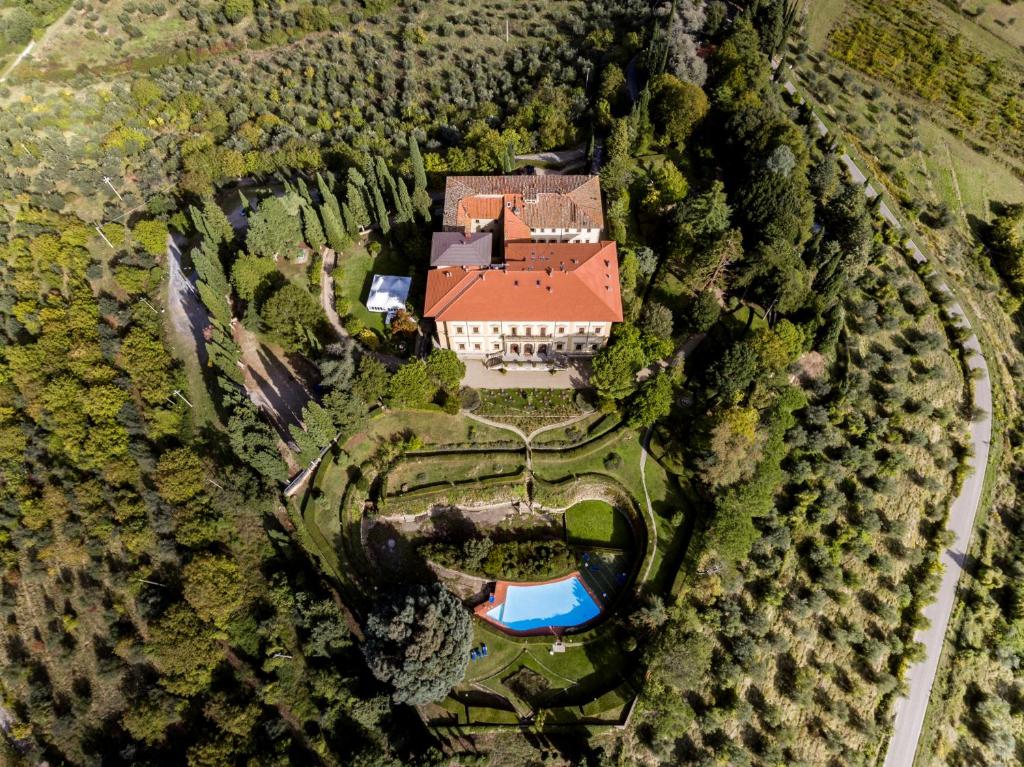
[[187, 314], [910, 709], [560, 156], [576, 376], [272, 381]]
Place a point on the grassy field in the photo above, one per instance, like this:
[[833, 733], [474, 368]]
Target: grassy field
[[926, 154], [593, 424], [1003, 19], [583, 673], [596, 523], [434, 427], [421, 471], [93, 34], [352, 279]]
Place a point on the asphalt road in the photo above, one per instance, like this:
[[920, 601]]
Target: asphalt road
[[911, 708]]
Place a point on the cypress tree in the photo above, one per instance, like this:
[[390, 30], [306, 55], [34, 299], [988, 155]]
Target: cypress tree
[[304, 191], [311, 228], [348, 220], [213, 284], [384, 178], [403, 205], [355, 177], [336, 236], [381, 210], [209, 268], [419, 173], [217, 224], [327, 195], [357, 205], [421, 202]]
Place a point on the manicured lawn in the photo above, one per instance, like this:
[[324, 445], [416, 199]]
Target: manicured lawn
[[596, 457], [353, 276], [596, 523], [437, 429], [586, 428], [419, 471], [501, 651]]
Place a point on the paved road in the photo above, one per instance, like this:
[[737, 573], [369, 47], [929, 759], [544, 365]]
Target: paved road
[[910, 709]]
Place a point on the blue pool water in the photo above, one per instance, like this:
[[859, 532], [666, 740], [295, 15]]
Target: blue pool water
[[561, 604]]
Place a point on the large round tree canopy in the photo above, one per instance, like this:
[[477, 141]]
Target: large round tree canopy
[[418, 642]]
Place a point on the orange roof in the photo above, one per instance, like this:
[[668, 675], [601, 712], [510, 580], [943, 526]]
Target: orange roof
[[540, 282], [513, 228], [479, 207]]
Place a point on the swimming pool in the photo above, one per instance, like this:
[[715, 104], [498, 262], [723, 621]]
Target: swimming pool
[[564, 603]]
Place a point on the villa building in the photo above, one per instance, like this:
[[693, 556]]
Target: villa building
[[520, 272]]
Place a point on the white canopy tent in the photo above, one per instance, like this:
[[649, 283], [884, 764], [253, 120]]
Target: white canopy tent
[[388, 293]]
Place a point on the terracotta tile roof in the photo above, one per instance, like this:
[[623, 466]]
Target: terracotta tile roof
[[513, 227], [541, 282], [545, 202]]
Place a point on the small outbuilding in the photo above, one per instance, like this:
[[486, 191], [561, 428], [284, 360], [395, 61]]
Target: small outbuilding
[[388, 293]]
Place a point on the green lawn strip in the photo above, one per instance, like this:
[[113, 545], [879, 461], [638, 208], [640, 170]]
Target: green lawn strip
[[412, 471], [504, 488], [592, 457], [353, 275], [585, 430], [456, 707], [667, 499], [502, 650], [483, 715], [610, 702], [438, 429], [597, 523]]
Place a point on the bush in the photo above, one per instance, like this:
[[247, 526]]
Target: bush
[[469, 398], [613, 461], [510, 560]]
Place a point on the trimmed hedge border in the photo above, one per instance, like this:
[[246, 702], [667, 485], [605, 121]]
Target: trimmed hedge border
[[480, 492]]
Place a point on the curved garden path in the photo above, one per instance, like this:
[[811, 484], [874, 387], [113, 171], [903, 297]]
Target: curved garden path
[[910, 709], [652, 523], [527, 438]]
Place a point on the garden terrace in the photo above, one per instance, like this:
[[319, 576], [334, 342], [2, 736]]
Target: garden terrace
[[415, 471], [590, 496], [530, 409], [592, 682]]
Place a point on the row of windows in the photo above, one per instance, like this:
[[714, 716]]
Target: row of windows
[[460, 330], [527, 348]]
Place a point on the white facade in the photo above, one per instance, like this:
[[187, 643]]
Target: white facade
[[529, 340], [553, 234]]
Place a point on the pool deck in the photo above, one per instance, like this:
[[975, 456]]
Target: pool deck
[[501, 591]]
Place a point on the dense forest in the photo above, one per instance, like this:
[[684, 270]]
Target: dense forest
[[807, 390]]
